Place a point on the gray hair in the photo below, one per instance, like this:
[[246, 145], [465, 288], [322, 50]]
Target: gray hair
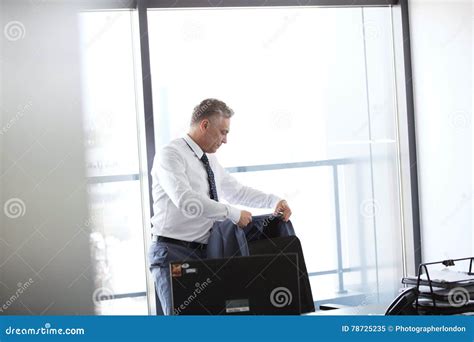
[[208, 108]]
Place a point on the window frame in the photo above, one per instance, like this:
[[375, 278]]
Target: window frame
[[409, 189]]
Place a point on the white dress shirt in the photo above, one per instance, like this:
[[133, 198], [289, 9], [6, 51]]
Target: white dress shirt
[[182, 207]]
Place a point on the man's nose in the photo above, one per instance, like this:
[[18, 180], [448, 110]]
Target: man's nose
[[224, 140]]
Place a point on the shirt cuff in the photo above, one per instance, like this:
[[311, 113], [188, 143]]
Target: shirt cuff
[[233, 214], [274, 201]]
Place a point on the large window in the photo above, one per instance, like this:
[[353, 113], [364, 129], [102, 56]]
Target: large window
[[317, 95], [115, 199], [314, 94]]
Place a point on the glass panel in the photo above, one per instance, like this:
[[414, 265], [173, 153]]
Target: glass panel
[[311, 84], [108, 80], [310, 192], [117, 240], [109, 99], [134, 306]]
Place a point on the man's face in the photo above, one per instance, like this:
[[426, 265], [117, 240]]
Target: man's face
[[215, 133]]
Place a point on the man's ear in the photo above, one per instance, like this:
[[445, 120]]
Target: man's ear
[[204, 124]]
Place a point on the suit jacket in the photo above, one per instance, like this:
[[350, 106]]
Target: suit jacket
[[227, 239]]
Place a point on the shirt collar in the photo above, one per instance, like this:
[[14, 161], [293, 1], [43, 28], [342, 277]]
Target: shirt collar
[[195, 147]]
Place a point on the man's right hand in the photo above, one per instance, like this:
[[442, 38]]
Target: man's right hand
[[245, 218]]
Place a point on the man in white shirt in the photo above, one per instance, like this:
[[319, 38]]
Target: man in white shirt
[[188, 183]]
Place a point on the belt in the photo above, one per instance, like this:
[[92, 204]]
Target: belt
[[187, 244]]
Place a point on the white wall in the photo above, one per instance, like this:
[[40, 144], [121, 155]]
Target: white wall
[[43, 237], [441, 38]]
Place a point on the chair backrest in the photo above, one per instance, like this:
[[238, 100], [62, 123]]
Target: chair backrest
[[403, 304], [288, 244]]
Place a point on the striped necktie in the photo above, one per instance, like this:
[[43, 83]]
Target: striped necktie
[[210, 178]]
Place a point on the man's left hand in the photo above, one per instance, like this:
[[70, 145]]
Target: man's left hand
[[283, 207]]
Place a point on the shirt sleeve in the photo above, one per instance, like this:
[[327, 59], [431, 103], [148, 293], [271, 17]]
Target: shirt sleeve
[[170, 171], [237, 193]]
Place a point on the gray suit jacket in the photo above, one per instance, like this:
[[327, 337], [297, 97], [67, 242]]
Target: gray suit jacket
[[228, 240]]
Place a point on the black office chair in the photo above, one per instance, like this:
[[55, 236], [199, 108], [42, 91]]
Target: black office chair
[[404, 303], [288, 244]]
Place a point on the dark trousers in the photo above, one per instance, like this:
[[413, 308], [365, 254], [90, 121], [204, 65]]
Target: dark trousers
[[159, 256]]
